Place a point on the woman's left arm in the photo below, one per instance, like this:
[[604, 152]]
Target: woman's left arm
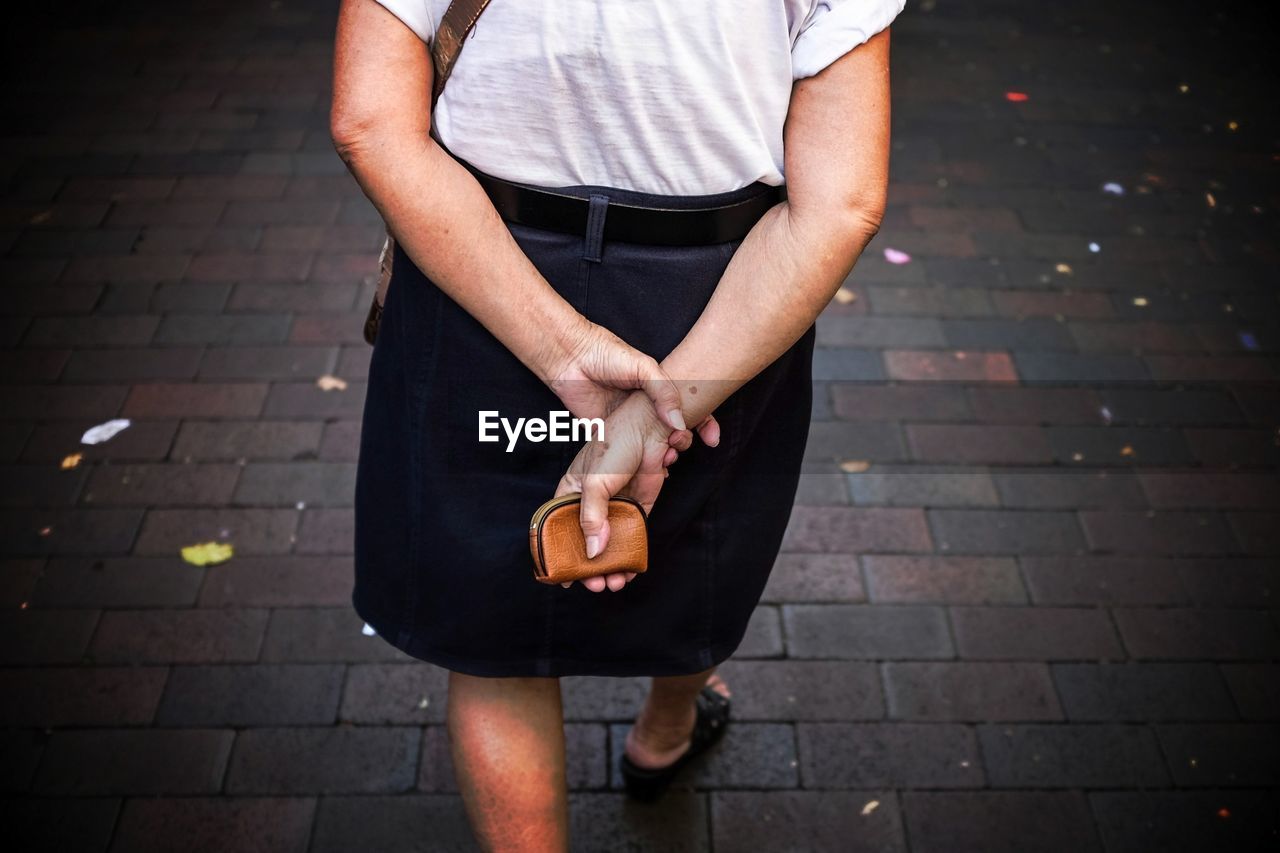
[[836, 150]]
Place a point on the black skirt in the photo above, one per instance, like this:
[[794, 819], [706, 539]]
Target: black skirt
[[442, 566]]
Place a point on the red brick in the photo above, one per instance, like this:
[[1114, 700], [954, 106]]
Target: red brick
[[954, 366], [196, 400]]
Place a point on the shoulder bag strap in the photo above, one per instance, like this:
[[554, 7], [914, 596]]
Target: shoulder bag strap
[[457, 23]]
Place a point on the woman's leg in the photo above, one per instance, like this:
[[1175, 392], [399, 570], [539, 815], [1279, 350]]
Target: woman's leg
[[662, 730], [507, 740]]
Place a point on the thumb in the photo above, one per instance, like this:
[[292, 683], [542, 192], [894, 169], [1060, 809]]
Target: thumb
[[663, 392], [594, 515]]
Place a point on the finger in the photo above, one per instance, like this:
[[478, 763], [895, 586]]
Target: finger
[[669, 458], [593, 515], [663, 392], [595, 584], [630, 576], [567, 584], [709, 431], [615, 581], [680, 439]]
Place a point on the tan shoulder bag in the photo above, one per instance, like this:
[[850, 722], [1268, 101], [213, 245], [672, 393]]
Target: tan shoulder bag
[[456, 24]]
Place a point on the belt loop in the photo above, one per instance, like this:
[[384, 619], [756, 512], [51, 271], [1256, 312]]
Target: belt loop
[[595, 228]]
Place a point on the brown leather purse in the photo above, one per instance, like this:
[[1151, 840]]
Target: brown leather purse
[[560, 553], [457, 22]]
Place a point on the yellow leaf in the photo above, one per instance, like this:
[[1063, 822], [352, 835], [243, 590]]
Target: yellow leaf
[[854, 466], [844, 296], [71, 461], [331, 383], [208, 553], [871, 806]]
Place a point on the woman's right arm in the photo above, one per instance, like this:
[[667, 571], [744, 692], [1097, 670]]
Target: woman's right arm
[[446, 224]]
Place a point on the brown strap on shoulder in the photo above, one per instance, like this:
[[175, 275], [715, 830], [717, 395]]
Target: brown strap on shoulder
[[457, 22]]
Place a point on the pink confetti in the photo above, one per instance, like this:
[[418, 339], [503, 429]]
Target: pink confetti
[[894, 256]]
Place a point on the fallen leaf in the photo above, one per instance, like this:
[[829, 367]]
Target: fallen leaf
[[854, 466], [368, 631], [895, 256], [844, 296], [1112, 188], [1127, 450], [1210, 200], [104, 431], [1065, 269], [208, 553], [1224, 813], [423, 703], [71, 460], [331, 383], [871, 806], [1140, 301]]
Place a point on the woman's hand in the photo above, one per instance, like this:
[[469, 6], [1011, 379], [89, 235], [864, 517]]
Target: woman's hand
[[596, 370], [632, 459]]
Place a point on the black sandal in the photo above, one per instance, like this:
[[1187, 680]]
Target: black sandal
[[647, 784]]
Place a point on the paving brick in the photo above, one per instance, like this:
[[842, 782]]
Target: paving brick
[[979, 531], [1193, 406], [1229, 448], [827, 529], [1142, 692], [847, 364], [852, 330], [149, 484], [922, 485], [838, 440], [860, 632], [178, 636], [341, 441], [1061, 488], [80, 696], [1197, 634], [247, 440], [209, 825], [34, 637], [142, 441], [279, 582], [49, 825], [916, 402], [1072, 756], [806, 820], [930, 301], [254, 362], [1168, 532], [814, 577], [977, 444], [943, 580], [950, 366], [234, 330], [327, 531], [1020, 335], [1034, 633], [304, 400], [750, 755], [1138, 821], [143, 762], [1210, 490], [69, 531], [893, 755], [1109, 445], [39, 485], [322, 635], [954, 692], [252, 695], [251, 531], [435, 821], [1255, 688], [609, 699], [999, 822], [314, 483], [763, 637], [71, 582], [1035, 405], [391, 694], [196, 400], [18, 579], [803, 690], [324, 760], [1230, 581], [1079, 368], [132, 364], [1222, 755], [1083, 580]]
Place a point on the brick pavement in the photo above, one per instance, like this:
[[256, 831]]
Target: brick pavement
[[1028, 599]]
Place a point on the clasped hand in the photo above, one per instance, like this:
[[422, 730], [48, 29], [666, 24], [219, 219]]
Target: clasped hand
[[644, 434]]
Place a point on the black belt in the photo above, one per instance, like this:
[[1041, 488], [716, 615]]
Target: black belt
[[628, 223]]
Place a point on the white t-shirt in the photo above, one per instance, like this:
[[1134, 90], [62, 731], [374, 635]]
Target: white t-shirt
[[676, 97]]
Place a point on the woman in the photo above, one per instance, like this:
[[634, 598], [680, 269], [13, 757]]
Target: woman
[[676, 109]]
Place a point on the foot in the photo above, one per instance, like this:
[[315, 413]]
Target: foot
[[654, 743]]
